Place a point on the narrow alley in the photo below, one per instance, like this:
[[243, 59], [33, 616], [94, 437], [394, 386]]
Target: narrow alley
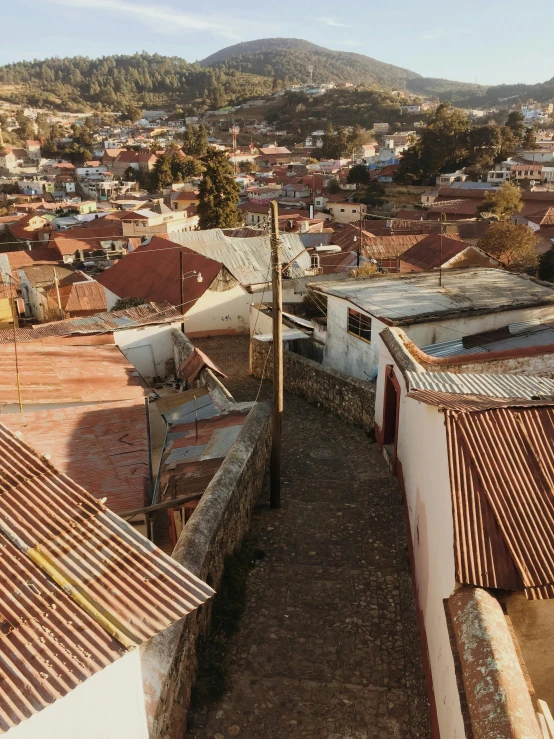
[[328, 645]]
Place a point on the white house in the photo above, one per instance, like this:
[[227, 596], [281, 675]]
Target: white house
[[468, 301], [450, 438]]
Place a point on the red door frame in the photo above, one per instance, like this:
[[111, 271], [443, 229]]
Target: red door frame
[[391, 386]]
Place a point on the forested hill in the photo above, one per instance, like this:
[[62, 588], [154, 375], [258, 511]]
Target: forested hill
[[290, 59], [287, 58], [115, 82]]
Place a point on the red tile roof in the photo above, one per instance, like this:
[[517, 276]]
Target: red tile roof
[[87, 237], [29, 257], [81, 297], [153, 275]]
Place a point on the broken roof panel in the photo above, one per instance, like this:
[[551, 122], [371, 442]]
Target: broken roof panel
[[50, 641]]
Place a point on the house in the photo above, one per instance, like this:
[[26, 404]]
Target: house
[[138, 160], [275, 155], [159, 219], [437, 251], [520, 171], [445, 180], [97, 239], [457, 434], [410, 109], [12, 158], [77, 296], [344, 212], [466, 301], [33, 150], [222, 276], [67, 642], [381, 127], [264, 194], [9, 309], [183, 199]]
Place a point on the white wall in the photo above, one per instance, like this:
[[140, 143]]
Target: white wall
[[356, 357], [155, 342], [423, 456], [109, 705]]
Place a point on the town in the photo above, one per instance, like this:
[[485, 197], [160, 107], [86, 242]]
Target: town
[[277, 408]]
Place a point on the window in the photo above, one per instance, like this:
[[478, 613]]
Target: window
[[342, 210], [315, 264], [359, 325], [354, 210]]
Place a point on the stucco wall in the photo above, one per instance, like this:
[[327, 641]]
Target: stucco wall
[[351, 399], [423, 461], [109, 705], [359, 358], [215, 531], [156, 340]]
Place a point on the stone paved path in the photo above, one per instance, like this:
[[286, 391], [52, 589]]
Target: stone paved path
[[328, 645]]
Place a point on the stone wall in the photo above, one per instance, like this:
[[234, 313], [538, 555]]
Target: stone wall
[[215, 530], [347, 397]]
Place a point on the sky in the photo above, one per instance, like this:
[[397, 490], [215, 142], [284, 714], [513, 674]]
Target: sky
[[488, 41]]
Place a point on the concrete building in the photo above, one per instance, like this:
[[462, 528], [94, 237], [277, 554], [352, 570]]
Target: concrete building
[[468, 301], [457, 435]]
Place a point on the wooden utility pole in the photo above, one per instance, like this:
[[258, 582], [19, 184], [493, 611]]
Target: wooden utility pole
[[14, 319], [277, 310], [57, 284], [360, 243], [182, 298]]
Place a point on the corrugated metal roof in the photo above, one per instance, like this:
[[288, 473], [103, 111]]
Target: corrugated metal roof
[[151, 271], [50, 641], [247, 259], [195, 363], [59, 373], [502, 477], [408, 299], [466, 403], [103, 447], [495, 386], [537, 332]]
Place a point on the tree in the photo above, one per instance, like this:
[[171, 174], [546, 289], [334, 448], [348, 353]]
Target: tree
[[333, 187], [373, 195], [195, 141], [161, 175], [124, 303], [512, 244], [444, 146], [219, 194], [131, 113], [359, 174], [530, 140], [504, 202], [25, 127], [514, 124], [546, 266]]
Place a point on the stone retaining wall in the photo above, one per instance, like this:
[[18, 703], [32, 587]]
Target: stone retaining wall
[[216, 529], [347, 397]]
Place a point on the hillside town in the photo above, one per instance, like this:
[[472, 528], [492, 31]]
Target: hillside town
[[277, 418]]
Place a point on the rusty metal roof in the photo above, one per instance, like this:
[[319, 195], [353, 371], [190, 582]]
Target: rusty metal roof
[[468, 402], [60, 373], [125, 590], [195, 363], [142, 315], [103, 447], [502, 482]]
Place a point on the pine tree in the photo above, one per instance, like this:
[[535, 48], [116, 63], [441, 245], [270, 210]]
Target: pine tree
[[219, 194]]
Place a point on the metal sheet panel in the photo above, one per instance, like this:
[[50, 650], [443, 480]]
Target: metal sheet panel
[[49, 643], [221, 442], [502, 474], [496, 386]]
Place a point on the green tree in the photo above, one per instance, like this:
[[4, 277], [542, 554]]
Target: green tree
[[512, 244], [195, 141], [219, 194], [131, 113], [373, 195], [530, 140], [546, 266], [359, 174], [333, 187], [515, 125], [161, 175], [25, 126], [124, 303], [444, 146], [503, 202]]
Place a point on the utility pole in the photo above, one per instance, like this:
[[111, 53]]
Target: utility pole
[[277, 309], [57, 284], [440, 257], [360, 245], [182, 299], [14, 319]]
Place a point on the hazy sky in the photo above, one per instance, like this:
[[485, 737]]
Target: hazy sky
[[491, 41]]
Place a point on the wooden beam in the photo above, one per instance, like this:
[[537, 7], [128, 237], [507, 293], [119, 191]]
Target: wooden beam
[[161, 506]]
